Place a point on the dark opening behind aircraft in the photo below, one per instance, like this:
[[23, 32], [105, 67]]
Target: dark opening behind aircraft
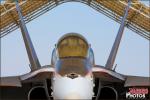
[[72, 74]]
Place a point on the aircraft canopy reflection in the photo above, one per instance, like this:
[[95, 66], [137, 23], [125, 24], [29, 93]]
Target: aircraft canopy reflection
[[72, 45]]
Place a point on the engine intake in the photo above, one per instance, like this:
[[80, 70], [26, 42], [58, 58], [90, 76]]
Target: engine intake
[[37, 93], [108, 93]]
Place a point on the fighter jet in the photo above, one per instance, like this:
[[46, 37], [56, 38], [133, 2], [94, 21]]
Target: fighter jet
[[72, 74]]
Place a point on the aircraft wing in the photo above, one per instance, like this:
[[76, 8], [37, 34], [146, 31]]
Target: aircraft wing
[[21, 85], [137, 81], [111, 76], [107, 75], [119, 83], [13, 81], [46, 72], [41, 74]]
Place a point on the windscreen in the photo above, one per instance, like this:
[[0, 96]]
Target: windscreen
[[72, 46]]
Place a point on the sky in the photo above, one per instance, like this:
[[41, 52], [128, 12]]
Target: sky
[[99, 30]]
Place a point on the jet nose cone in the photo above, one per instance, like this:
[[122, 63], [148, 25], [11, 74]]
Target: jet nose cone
[[79, 88]]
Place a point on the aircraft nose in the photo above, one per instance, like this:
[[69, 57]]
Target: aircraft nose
[[79, 88]]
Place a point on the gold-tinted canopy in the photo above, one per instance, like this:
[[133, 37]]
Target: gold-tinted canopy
[[72, 45]]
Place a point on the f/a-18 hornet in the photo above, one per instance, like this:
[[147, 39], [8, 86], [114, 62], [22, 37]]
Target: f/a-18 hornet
[[72, 73]]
